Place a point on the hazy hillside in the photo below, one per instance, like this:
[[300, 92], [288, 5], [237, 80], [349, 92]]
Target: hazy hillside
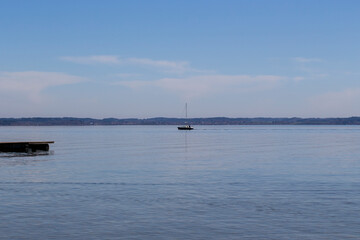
[[176, 121]]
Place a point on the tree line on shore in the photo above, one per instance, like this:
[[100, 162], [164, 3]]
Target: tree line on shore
[[69, 121]]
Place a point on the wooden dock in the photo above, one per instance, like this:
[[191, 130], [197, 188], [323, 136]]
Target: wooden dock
[[24, 146]]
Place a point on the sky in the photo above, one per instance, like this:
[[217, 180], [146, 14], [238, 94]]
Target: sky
[[143, 59]]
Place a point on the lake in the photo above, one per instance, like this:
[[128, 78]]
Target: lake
[[155, 182]]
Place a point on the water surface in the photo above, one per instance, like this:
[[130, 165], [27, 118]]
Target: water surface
[[155, 182]]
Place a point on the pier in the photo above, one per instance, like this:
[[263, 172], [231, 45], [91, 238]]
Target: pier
[[24, 146]]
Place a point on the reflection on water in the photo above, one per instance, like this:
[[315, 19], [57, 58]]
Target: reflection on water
[[26, 154], [16, 158]]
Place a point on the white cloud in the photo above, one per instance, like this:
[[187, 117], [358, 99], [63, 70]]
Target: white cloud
[[310, 68], [206, 84], [298, 79], [31, 83], [178, 67], [166, 66], [127, 75], [103, 59], [306, 60], [341, 103]]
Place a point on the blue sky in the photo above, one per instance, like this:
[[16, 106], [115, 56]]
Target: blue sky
[[147, 58]]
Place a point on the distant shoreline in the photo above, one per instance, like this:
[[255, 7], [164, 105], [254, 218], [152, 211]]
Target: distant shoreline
[[70, 121]]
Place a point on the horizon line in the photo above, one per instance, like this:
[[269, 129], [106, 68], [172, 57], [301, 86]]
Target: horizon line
[[139, 118]]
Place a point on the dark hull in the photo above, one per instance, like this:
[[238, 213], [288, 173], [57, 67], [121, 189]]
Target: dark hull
[[24, 146], [185, 128]]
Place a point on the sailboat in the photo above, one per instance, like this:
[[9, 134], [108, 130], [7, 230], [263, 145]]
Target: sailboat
[[185, 127]]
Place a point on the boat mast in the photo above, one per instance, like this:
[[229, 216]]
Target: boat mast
[[186, 110]]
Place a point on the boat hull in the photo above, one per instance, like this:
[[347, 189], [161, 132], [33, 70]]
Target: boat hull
[[185, 128]]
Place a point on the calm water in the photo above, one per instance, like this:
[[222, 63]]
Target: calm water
[[155, 182]]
